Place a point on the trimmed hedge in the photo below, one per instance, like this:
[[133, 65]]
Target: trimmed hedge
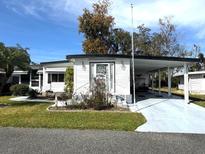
[[19, 89]]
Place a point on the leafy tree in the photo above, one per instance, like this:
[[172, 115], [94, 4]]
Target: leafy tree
[[198, 66], [121, 41], [97, 28], [196, 51], [161, 43], [168, 39], [102, 38], [201, 57], [142, 40], [155, 45], [11, 57]]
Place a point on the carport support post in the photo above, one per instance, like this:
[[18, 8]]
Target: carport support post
[[20, 79], [30, 80], [39, 82], [169, 82], [152, 75], [186, 84], [159, 75]]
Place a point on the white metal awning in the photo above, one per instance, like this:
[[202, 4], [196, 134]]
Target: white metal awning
[[40, 72], [62, 69], [20, 72]]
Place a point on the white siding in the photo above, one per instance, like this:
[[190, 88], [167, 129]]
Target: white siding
[[122, 75], [196, 83], [81, 76], [180, 86], [53, 86]]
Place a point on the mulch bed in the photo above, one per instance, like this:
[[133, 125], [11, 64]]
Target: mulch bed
[[64, 109]]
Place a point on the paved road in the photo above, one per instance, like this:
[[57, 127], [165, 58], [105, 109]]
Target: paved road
[[20, 141]]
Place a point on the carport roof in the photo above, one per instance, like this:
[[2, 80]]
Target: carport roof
[[165, 58], [143, 64], [54, 62]]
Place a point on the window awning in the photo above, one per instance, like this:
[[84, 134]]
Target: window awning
[[20, 72]]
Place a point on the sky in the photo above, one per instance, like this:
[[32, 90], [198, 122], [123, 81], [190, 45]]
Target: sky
[[49, 28]]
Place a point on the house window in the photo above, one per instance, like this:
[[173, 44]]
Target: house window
[[34, 83], [34, 78], [61, 77], [55, 78], [49, 78]]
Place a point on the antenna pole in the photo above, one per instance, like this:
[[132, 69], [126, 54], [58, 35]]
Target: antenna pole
[[133, 58]]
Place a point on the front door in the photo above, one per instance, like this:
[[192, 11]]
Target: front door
[[104, 72]]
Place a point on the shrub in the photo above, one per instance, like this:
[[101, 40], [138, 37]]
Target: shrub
[[99, 95], [19, 89], [69, 80], [32, 93], [63, 97], [50, 94], [99, 98]]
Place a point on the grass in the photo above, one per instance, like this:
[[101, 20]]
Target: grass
[[197, 99], [35, 115], [200, 103]]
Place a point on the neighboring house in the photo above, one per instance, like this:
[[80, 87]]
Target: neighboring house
[[48, 76], [53, 75], [196, 81], [115, 70]]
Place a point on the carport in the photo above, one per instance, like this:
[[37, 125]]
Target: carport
[[115, 70], [168, 114], [153, 64]]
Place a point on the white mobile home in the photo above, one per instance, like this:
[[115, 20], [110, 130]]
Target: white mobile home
[[115, 70]]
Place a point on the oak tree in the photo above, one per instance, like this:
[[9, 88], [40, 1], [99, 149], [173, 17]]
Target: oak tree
[[96, 25]]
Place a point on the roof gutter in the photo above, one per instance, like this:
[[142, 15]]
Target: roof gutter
[[136, 57]]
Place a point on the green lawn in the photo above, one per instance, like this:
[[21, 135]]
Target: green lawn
[[30, 114], [197, 99], [200, 103]]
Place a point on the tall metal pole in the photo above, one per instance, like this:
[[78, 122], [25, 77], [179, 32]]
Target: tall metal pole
[[133, 58]]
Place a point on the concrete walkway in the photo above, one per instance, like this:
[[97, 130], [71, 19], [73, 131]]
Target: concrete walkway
[[170, 115], [54, 141], [26, 99]]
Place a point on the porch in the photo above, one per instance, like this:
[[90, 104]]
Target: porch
[[32, 78]]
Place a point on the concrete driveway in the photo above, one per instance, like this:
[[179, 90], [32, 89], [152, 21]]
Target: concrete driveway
[[170, 115]]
